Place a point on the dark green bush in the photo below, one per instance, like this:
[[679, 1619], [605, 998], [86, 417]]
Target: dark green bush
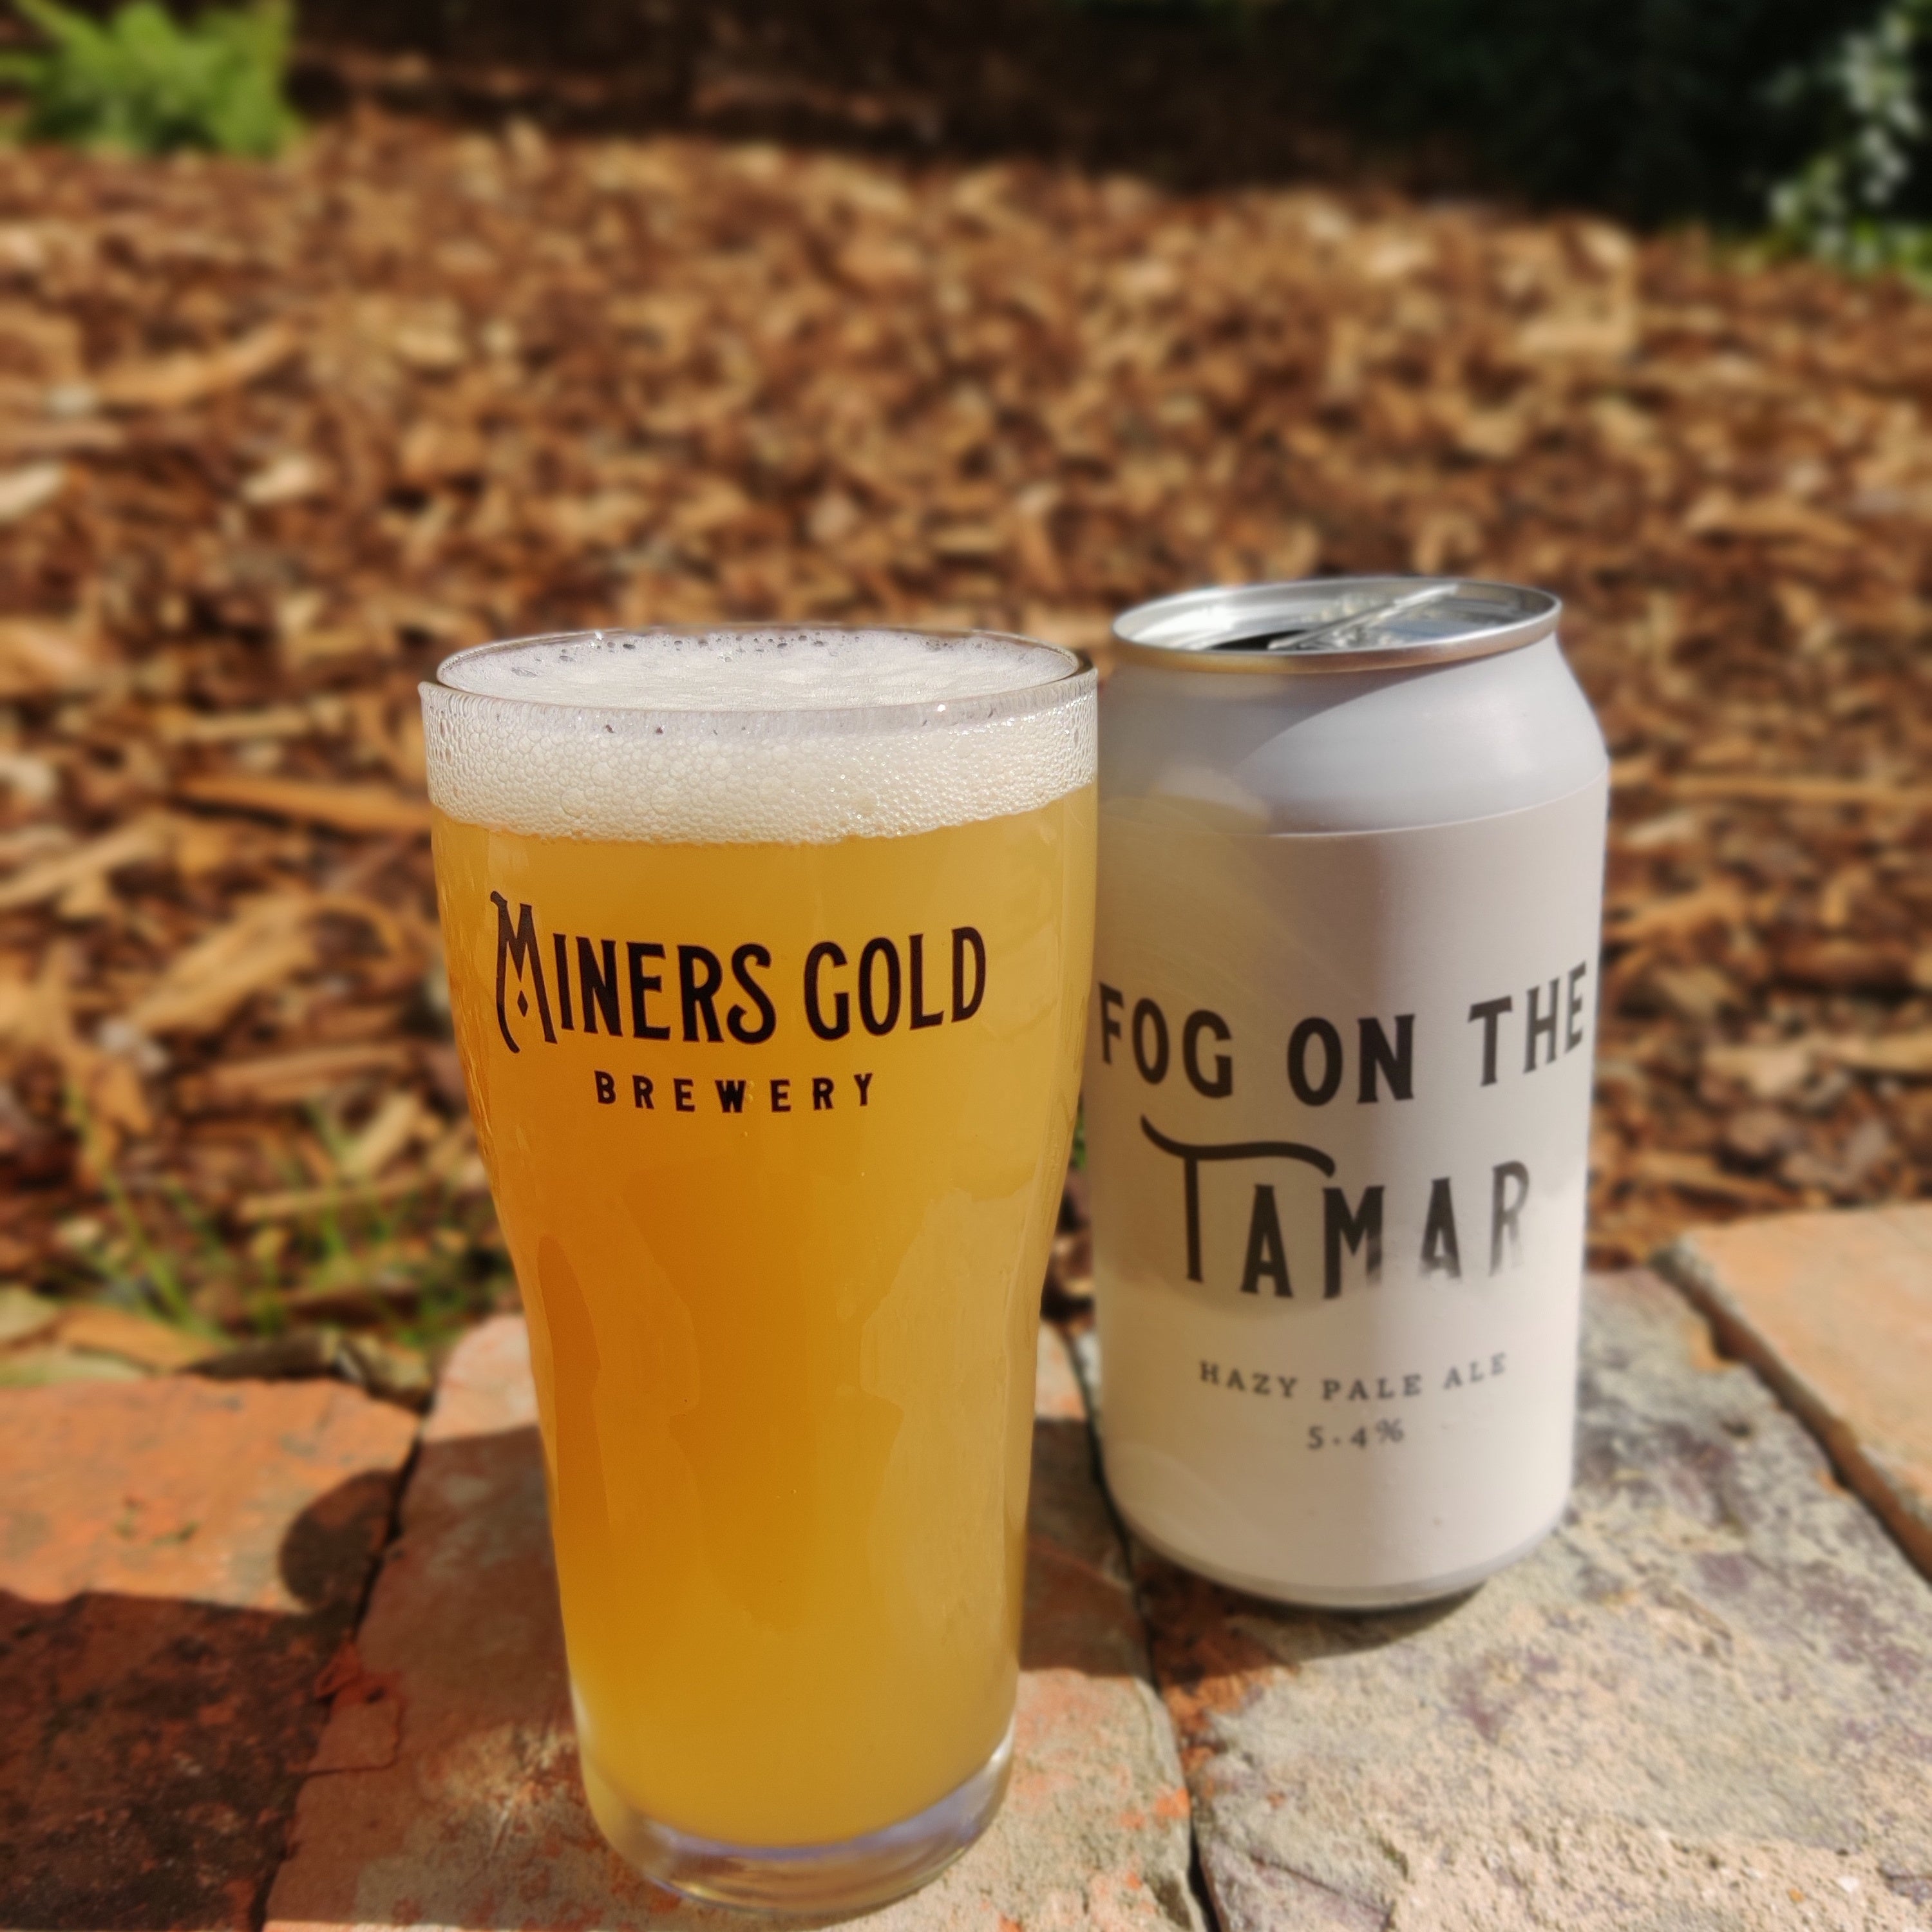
[[1805, 112], [1658, 108], [1864, 192], [145, 82]]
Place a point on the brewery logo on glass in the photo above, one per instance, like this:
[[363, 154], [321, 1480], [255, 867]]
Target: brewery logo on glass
[[740, 995], [1337, 1086]]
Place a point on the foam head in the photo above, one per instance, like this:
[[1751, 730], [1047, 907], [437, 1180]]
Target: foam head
[[796, 735]]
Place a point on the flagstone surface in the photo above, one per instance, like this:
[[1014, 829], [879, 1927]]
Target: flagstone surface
[[447, 1791], [1835, 1311], [248, 1671], [1704, 1704], [179, 1561]]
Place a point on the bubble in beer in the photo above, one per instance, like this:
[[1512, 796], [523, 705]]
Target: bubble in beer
[[796, 735]]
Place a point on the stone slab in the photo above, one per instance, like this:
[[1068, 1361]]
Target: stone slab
[[1835, 1311], [445, 1789], [1704, 1704], [178, 1563]]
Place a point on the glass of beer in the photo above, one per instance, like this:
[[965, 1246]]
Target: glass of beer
[[768, 956]]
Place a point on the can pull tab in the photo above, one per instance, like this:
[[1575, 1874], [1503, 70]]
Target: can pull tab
[[1350, 632], [1338, 623]]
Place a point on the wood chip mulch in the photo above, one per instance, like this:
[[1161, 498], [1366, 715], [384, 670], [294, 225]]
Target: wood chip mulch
[[273, 437]]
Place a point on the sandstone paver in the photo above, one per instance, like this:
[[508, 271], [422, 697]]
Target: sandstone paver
[[1705, 1705], [178, 1562], [1835, 1311], [445, 1791]]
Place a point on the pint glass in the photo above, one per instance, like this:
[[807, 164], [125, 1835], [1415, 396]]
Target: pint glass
[[768, 954]]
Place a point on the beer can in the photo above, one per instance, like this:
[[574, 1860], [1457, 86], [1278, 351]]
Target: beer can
[[1338, 1079]]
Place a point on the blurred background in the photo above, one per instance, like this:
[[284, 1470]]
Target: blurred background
[[332, 342]]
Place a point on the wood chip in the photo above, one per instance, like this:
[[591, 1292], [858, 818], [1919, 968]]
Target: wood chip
[[1770, 1071], [399, 1120], [1697, 1174], [42, 657], [342, 808], [267, 944], [672, 379], [1717, 903], [29, 488], [142, 843], [177, 727], [1748, 788], [174, 382], [279, 1079], [49, 1367], [134, 1338], [1906, 1055], [298, 1203], [24, 1315]]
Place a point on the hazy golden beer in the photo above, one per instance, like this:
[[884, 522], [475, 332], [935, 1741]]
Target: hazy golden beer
[[775, 1126]]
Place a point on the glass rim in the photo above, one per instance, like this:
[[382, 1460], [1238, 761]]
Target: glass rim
[[1076, 676]]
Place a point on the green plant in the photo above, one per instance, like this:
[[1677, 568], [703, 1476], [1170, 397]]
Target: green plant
[[1844, 204], [134, 1266], [1659, 110], [145, 82], [413, 1272]]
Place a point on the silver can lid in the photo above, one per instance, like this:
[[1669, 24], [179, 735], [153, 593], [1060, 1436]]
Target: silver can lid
[[1338, 623]]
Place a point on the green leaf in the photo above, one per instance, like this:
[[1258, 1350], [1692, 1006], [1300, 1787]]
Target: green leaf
[[150, 83]]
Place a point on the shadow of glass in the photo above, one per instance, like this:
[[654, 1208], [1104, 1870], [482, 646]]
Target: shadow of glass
[[152, 1749], [478, 1819], [1080, 1610]]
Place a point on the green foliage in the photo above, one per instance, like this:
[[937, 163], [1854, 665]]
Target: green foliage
[[414, 1271], [1845, 204], [1659, 110], [148, 83], [1814, 114]]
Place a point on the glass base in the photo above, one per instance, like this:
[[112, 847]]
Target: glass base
[[849, 1875]]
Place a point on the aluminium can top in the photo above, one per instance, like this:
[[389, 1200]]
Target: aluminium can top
[[1336, 624]]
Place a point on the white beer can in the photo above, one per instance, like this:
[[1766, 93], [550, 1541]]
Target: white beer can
[[1338, 1079]]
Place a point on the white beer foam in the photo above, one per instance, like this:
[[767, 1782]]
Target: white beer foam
[[795, 736]]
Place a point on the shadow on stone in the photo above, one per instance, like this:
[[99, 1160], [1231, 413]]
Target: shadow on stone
[[1303, 1636], [449, 1791], [1080, 1614], [151, 1748], [454, 1795]]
